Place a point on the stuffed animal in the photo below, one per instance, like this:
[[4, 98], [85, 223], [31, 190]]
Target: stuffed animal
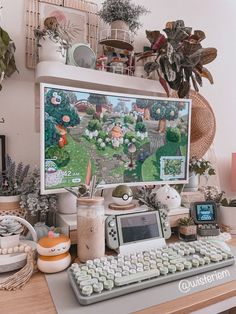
[[53, 253], [168, 196]]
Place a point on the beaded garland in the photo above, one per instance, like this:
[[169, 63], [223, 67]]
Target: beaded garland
[[21, 248]]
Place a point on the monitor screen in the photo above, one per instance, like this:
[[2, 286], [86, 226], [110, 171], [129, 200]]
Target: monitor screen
[[120, 138], [205, 212], [138, 227]]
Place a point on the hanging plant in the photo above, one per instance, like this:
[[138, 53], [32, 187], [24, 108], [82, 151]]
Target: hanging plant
[[7, 59], [179, 58]]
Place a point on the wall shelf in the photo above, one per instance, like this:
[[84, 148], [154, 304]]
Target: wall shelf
[[61, 74]]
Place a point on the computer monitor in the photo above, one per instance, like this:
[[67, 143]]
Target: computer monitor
[[120, 138]]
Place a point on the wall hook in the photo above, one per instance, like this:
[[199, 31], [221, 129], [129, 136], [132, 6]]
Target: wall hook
[[2, 120]]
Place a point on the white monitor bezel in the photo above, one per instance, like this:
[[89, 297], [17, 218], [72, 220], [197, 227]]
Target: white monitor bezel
[[119, 226], [44, 190]]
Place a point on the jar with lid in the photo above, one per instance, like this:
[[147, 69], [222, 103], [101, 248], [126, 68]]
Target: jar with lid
[[90, 228]]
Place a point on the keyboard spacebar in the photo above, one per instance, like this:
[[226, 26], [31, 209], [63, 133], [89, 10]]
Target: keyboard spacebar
[[137, 277]]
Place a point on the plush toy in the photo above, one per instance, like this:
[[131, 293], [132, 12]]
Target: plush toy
[[53, 253], [168, 196]]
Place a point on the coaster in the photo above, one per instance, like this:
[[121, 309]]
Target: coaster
[[121, 207]]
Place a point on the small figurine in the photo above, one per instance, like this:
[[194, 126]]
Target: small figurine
[[101, 63], [168, 196], [53, 253], [122, 195]]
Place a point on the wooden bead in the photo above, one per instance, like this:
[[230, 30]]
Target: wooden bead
[[16, 249], [27, 249], [21, 248], [10, 250]]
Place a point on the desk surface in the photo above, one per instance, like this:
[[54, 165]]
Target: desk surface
[[35, 298]]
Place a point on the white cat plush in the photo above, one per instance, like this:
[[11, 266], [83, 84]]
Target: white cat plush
[[168, 196]]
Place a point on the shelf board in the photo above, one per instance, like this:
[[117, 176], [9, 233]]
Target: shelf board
[[68, 75]]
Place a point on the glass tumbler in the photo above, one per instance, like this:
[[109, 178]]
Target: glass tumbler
[[90, 228]]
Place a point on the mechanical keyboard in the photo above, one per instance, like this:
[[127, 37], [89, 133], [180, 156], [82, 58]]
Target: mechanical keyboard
[[113, 276]]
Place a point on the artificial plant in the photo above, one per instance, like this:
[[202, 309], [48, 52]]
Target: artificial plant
[[124, 10], [32, 199], [12, 179], [201, 166], [7, 58], [62, 34], [179, 58]]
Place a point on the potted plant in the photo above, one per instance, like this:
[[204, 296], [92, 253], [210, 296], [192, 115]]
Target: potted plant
[[37, 205], [7, 59], [11, 184], [226, 207], [197, 168], [178, 57], [123, 16], [187, 229], [54, 39], [10, 231]]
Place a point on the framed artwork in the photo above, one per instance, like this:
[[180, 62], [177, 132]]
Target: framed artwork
[[65, 17], [120, 138], [80, 12], [2, 152]]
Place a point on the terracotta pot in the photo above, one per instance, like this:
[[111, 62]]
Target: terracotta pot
[[9, 202]]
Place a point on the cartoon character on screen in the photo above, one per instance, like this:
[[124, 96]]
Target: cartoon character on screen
[[53, 253]]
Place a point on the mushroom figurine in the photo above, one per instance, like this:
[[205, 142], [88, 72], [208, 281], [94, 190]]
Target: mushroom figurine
[[101, 63]]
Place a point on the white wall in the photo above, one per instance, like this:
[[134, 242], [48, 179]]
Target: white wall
[[215, 17]]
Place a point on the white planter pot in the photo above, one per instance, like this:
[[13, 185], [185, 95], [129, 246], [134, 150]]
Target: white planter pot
[[9, 241], [50, 51], [227, 217], [120, 31], [192, 185], [67, 203], [9, 202]]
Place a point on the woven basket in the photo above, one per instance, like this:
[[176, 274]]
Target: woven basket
[[10, 205], [203, 124]]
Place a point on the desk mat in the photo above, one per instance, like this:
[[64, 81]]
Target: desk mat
[[66, 302]]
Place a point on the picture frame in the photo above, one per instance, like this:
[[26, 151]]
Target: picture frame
[[2, 153], [64, 16], [118, 137], [33, 18]]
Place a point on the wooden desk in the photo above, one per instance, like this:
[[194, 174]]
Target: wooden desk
[[35, 298]]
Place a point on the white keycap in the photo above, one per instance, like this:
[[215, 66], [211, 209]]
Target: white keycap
[[118, 275], [98, 287], [82, 278], [109, 284], [102, 279], [88, 282], [136, 277], [87, 290], [179, 266], [164, 270]]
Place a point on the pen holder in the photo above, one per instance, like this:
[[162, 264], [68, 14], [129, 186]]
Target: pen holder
[[90, 228]]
